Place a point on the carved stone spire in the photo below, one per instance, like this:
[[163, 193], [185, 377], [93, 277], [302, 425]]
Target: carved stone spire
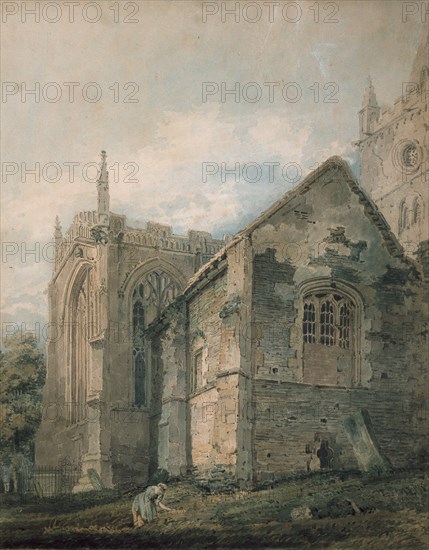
[[100, 230], [369, 97], [370, 112], [103, 191]]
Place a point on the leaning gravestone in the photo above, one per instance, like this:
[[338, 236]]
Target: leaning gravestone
[[365, 445]]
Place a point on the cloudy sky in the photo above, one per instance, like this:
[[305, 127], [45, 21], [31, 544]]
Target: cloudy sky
[[129, 77]]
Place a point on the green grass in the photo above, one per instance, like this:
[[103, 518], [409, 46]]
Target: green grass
[[347, 512]]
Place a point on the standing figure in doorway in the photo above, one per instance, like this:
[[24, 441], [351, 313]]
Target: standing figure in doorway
[[325, 454]]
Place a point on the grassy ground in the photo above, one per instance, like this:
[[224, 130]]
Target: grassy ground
[[330, 511]]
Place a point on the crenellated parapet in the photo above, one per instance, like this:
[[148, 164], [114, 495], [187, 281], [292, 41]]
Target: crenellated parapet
[[161, 236], [153, 236]]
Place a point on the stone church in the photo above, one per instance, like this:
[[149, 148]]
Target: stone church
[[298, 344]]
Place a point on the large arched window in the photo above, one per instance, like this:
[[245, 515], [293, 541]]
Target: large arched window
[[151, 295], [327, 320], [403, 216], [139, 360], [330, 340], [83, 328]]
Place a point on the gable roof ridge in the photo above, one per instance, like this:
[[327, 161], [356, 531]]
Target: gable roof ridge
[[371, 209], [374, 214], [332, 163]]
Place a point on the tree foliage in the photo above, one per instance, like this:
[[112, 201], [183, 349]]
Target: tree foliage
[[22, 375]]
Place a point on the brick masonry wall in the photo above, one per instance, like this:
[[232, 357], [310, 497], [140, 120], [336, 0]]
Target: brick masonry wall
[[290, 419]]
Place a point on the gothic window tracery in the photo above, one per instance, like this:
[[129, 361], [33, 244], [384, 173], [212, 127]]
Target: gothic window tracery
[[345, 318], [410, 213], [158, 289], [151, 295], [140, 374], [410, 156], [329, 324], [327, 320], [309, 326]]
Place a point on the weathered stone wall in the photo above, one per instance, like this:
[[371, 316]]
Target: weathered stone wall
[[170, 381], [194, 426], [210, 439], [205, 325], [201, 400], [128, 438], [220, 325], [253, 409]]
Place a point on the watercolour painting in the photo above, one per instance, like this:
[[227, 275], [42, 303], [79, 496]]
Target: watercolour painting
[[215, 274]]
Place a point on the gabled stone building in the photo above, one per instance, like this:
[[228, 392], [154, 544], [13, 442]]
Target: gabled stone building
[[311, 319], [299, 344]]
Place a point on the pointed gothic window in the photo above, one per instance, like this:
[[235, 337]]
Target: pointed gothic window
[[417, 211], [84, 317], [159, 290], [327, 320], [329, 339], [151, 295], [139, 363], [403, 217]]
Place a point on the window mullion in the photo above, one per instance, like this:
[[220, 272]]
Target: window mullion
[[317, 331], [335, 323]]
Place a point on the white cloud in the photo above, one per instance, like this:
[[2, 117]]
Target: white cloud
[[184, 141], [169, 133]]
